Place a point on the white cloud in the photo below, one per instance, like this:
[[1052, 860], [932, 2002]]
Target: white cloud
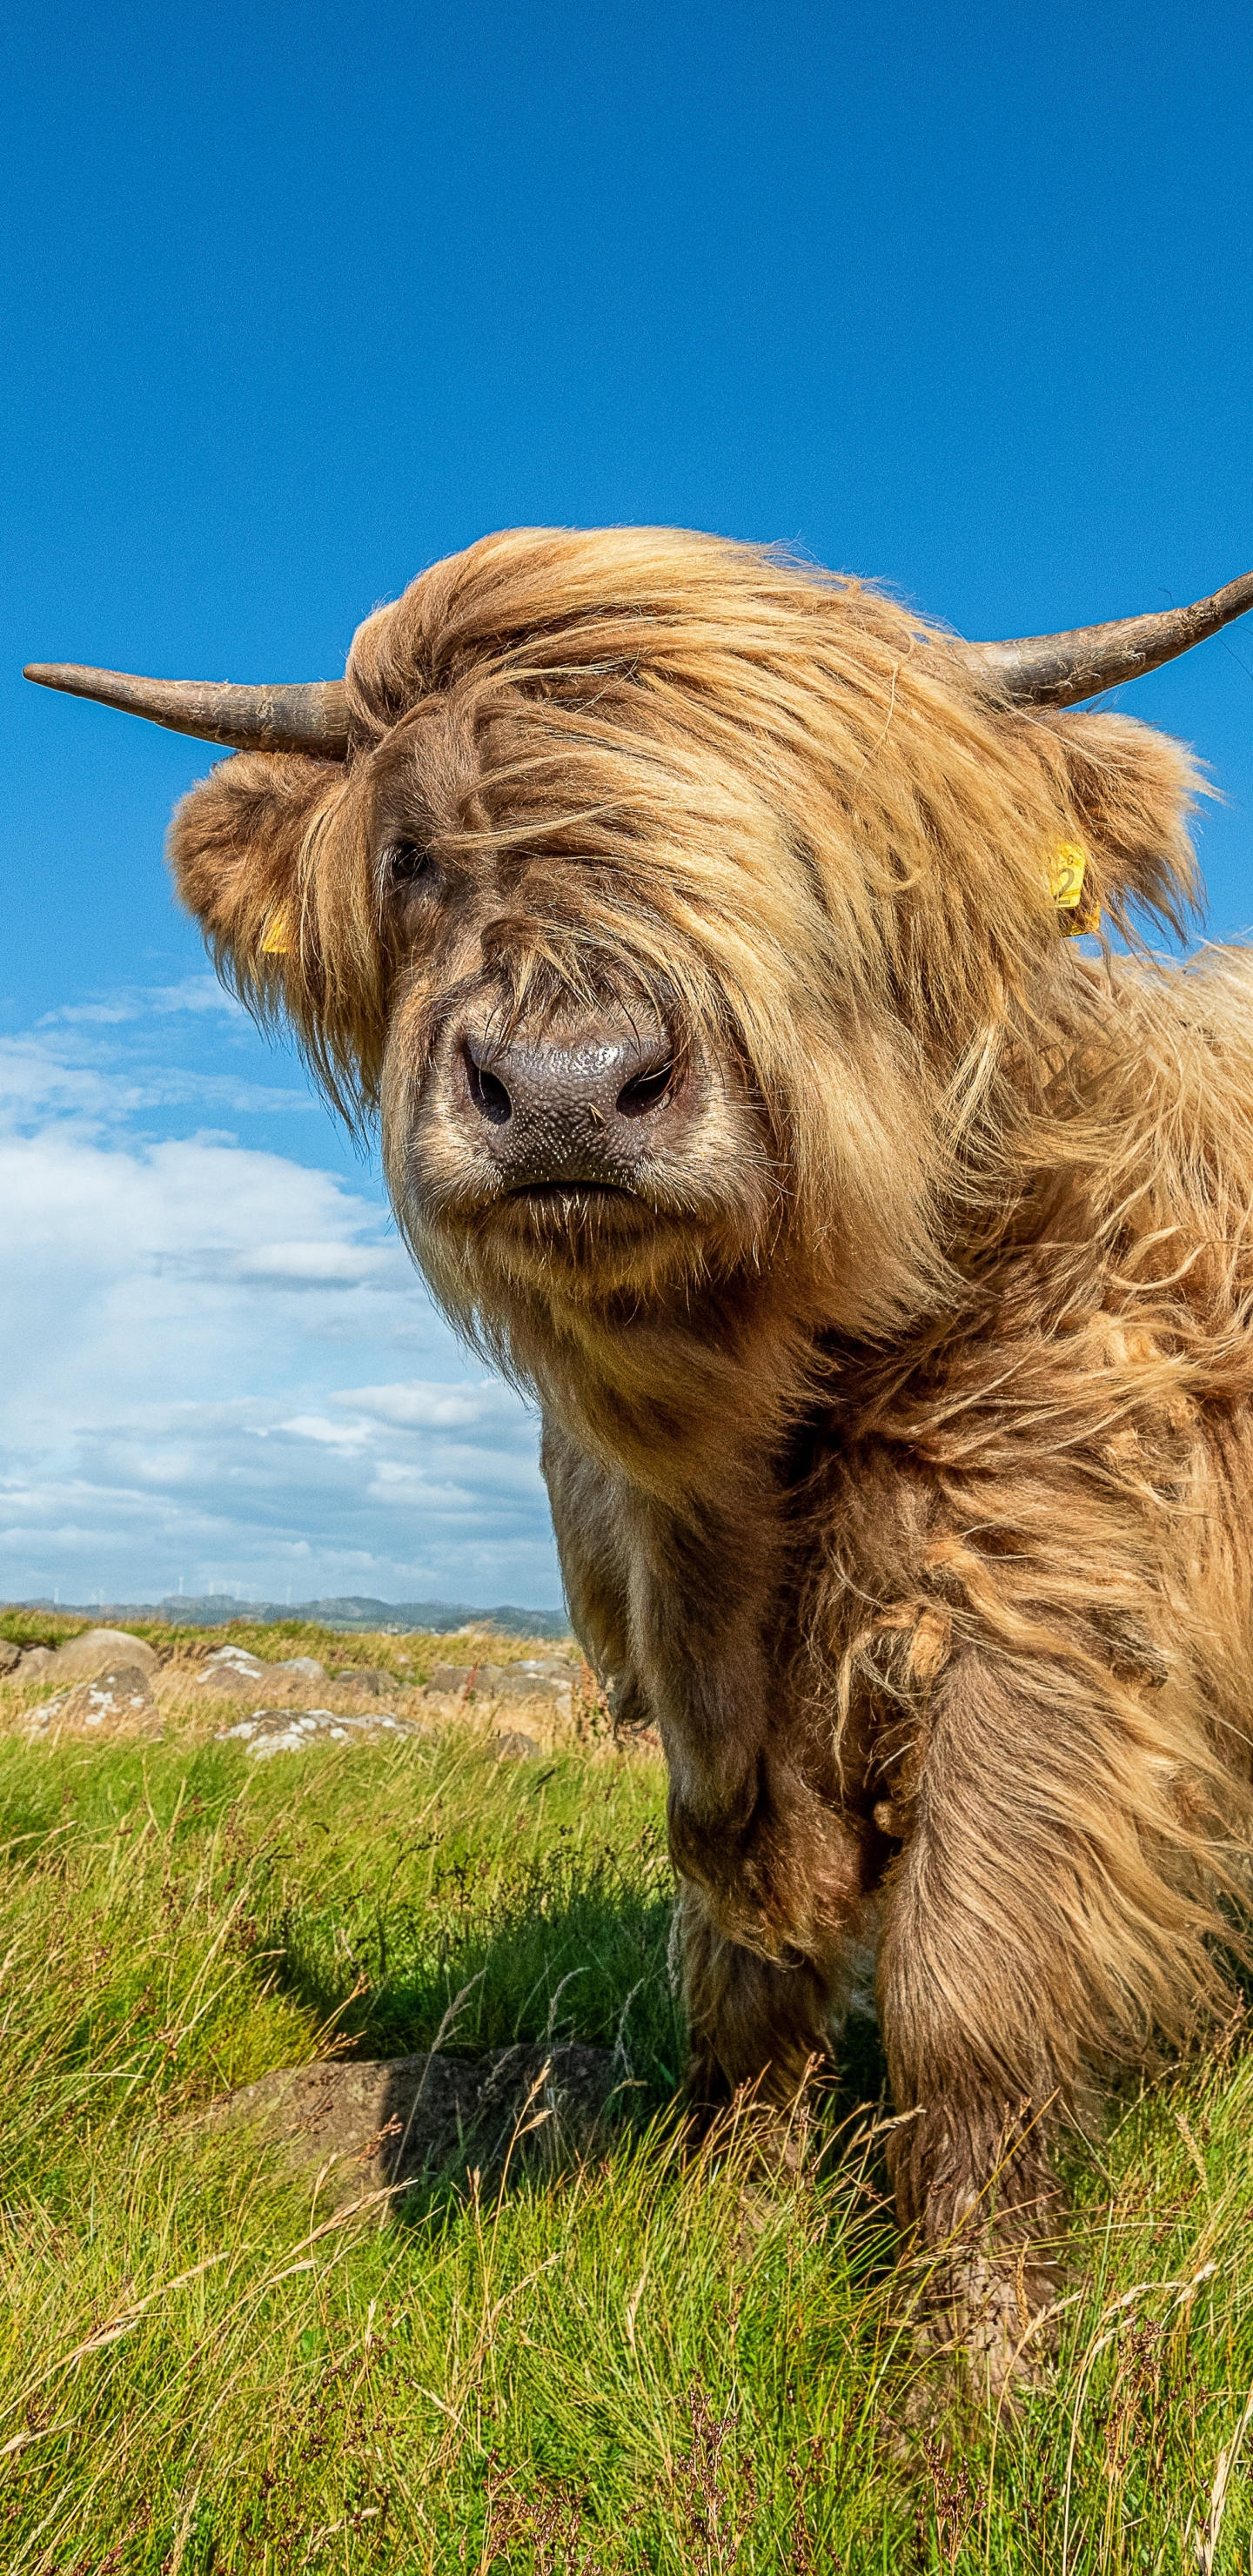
[[418, 1404], [204, 1340], [335, 1435], [200, 994], [98, 1086], [314, 1265]]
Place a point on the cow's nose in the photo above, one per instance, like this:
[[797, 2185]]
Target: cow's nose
[[563, 1108]]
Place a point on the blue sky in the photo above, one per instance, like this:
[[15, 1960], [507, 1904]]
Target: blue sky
[[300, 300]]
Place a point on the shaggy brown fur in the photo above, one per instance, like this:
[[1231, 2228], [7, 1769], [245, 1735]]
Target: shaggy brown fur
[[897, 1427]]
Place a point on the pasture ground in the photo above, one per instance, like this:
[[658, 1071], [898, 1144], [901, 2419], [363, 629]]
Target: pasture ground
[[204, 2365]]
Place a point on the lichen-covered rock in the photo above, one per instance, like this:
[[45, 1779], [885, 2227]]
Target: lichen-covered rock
[[289, 1730], [116, 1702], [225, 1681], [235, 1673]]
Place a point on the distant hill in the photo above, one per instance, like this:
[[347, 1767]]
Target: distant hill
[[347, 1612]]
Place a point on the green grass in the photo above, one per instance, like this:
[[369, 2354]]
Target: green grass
[[204, 2367]]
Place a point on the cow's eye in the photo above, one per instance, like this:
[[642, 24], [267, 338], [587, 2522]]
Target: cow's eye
[[407, 862]]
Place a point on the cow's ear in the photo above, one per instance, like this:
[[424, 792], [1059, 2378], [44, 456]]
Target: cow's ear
[[1126, 793], [239, 848], [271, 854]]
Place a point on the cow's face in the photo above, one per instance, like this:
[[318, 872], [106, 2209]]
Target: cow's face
[[554, 1111], [679, 912]]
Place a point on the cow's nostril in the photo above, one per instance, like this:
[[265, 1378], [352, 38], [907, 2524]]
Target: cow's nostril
[[487, 1092], [644, 1092]]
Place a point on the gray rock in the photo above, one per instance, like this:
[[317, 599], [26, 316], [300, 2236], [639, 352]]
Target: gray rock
[[513, 1746], [33, 1662], [307, 1665], [365, 1677], [516, 1681], [10, 1657], [230, 1680], [549, 1678], [89, 1654], [450, 1677], [384, 2125]]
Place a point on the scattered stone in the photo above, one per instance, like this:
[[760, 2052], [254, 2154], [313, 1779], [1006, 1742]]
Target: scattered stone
[[513, 1746], [233, 1672], [10, 1657], [33, 1661], [378, 2126], [522, 1681], [230, 1681], [550, 1678], [88, 1654], [285, 1730], [118, 1700], [365, 1677], [447, 1679]]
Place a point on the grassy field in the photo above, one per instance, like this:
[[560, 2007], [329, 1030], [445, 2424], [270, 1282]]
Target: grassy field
[[205, 2365]]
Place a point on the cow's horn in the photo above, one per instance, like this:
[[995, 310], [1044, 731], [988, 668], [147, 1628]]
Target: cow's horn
[[1058, 670], [308, 716]]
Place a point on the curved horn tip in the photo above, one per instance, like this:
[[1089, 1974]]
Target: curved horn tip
[[48, 675], [1061, 670], [305, 716]]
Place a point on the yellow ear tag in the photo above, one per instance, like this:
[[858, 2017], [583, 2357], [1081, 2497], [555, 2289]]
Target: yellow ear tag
[[278, 940], [1068, 866]]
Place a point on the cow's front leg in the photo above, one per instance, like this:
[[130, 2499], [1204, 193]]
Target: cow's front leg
[[588, 1521], [677, 1607], [755, 2024], [975, 2192], [984, 1991], [773, 1877], [698, 1602]]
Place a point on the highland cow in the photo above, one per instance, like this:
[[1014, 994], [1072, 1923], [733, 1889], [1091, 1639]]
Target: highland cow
[[881, 1261]]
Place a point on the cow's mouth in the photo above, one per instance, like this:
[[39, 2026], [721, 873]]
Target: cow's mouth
[[560, 1193]]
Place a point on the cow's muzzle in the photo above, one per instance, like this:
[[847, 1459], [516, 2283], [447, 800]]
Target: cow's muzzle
[[581, 1110]]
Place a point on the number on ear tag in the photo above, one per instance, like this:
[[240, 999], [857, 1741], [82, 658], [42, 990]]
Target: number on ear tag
[[1068, 866]]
